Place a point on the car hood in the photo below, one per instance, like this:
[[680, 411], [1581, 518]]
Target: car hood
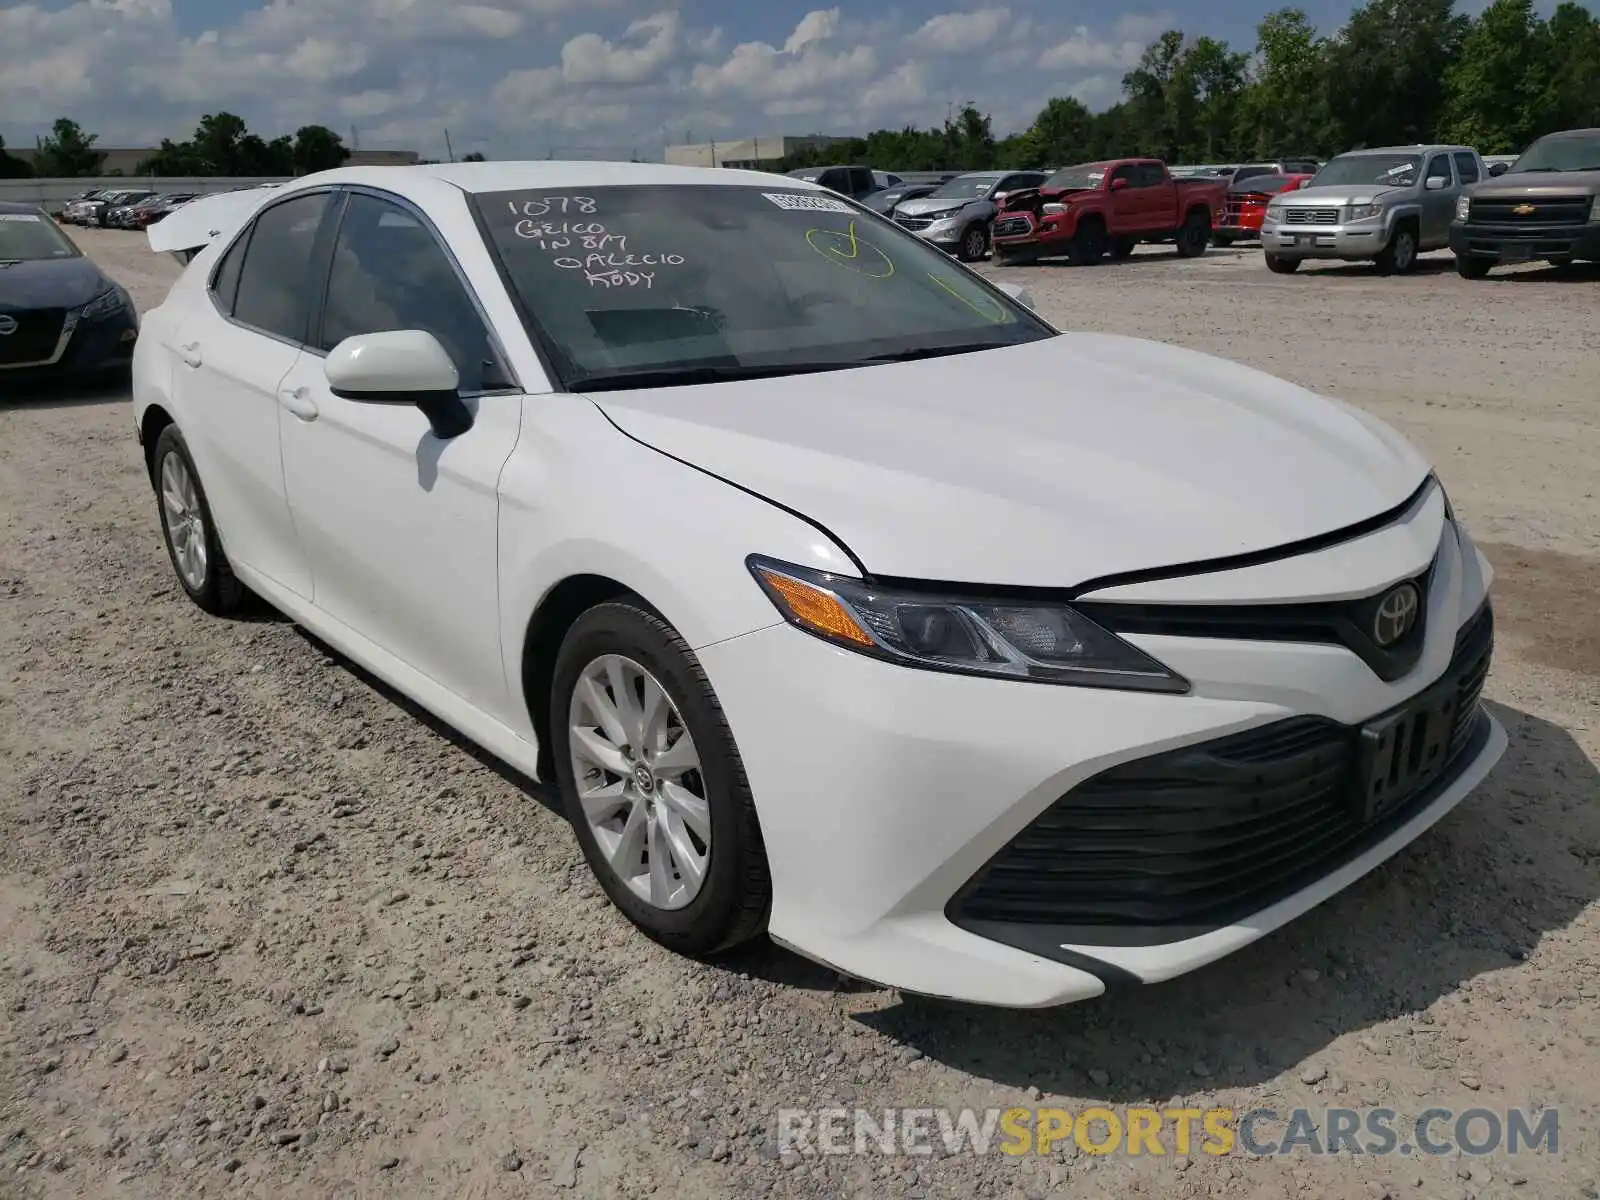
[[1338, 195], [926, 206], [1535, 185], [51, 283], [1048, 464]]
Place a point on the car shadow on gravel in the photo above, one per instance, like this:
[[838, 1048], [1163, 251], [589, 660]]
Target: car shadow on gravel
[[67, 395], [1518, 860]]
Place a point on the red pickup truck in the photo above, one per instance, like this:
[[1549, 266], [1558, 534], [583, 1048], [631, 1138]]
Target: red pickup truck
[[1094, 209]]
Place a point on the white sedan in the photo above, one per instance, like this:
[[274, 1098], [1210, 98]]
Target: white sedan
[[842, 597]]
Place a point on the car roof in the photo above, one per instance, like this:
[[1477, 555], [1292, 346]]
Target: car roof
[[476, 177], [16, 208], [1419, 148]]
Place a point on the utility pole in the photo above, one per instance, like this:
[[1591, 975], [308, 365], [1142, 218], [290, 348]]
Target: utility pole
[[355, 139], [448, 149]]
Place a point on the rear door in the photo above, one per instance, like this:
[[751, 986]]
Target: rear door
[[233, 358]]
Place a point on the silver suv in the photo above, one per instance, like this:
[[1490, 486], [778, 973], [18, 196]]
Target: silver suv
[[1385, 205]]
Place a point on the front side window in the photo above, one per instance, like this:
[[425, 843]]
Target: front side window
[[274, 282], [389, 273], [29, 236], [669, 281], [1439, 167], [1376, 170]]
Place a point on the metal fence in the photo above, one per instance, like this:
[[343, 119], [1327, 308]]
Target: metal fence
[[53, 193]]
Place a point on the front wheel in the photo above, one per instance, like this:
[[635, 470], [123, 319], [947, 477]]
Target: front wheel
[[974, 244], [1400, 255], [1015, 258], [1469, 267], [1089, 244], [1278, 264], [653, 783], [189, 529], [1123, 248]]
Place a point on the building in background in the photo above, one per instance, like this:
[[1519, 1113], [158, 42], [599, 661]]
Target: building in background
[[747, 153]]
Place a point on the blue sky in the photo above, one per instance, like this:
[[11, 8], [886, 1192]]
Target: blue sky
[[578, 78]]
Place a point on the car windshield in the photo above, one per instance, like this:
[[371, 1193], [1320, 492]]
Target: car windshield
[[641, 286], [1579, 153], [809, 174], [1263, 184], [882, 202], [1085, 176], [965, 187], [1381, 170], [27, 237]]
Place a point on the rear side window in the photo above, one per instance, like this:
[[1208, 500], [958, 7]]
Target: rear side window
[[274, 294], [225, 279], [1466, 167]]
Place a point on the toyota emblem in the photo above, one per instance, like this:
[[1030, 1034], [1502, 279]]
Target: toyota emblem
[[1396, 615], [8, 325]]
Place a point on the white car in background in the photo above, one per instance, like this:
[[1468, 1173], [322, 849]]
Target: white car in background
[[694, 494]]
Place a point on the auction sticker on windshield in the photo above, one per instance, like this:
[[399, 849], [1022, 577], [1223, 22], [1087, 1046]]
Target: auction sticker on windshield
[[798, 200]]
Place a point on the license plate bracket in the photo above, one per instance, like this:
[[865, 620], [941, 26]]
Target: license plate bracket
[[1515, 254], [1404, 751]]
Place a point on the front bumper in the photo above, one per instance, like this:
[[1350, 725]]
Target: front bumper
[[884, 793], [1525, 243], [82, 350], [1355, 241]]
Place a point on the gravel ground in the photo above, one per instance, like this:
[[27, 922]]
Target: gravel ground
[[268, 931]]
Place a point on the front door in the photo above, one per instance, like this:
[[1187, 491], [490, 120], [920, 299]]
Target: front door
[[1438, 205], [401, 526]]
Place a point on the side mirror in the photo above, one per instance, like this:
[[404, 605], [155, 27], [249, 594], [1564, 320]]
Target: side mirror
[[1499, 169], [400, 366], [1434, 183], [1118, 184], [1018, 293], [999, 197]]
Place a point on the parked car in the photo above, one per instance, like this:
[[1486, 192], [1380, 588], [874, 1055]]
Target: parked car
[[886, 179], [1246, 205], [386, 409], [96, 211], [1545, 206], [1291, 166], [1093, 209], [148, 212], [71, 206], [1384, 205], [60, 317], [855, 182], [957, 216], [884, 201]]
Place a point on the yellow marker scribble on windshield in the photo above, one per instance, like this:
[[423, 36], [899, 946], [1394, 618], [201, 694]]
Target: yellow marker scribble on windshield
[[995, 316], [845, 249]]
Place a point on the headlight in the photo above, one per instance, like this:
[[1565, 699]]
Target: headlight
[[1053, 209], [1009, 639], [1365, 212], [1594, 210], [1274, 210], [1463, 207], [107, 304]]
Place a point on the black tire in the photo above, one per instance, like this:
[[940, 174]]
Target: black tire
[[1013, 258], [1471, 267], [1089, 244], [974, 243], [1222, 240], [736, 895], [1399, 257], [1123, 248], [219, 592], [1279, 264], [1194, 235]]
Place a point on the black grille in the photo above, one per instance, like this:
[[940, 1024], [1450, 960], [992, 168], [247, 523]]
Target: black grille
[[1184, 842], [1010, 226], [1543, 212], [914, 222], [35, 337]]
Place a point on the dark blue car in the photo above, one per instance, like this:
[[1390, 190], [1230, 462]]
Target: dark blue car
[[60, 317]]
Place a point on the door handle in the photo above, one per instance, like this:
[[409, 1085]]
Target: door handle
[[190, 353], [299, 402]]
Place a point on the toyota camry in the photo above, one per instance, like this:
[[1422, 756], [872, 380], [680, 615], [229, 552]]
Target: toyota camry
[[841, 597]]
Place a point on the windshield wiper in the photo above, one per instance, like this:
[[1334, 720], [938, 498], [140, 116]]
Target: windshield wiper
[[688, 376], [932, 352]]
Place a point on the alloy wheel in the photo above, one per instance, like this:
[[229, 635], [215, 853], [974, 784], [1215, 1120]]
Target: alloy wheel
[[639, 781], [184, 520]]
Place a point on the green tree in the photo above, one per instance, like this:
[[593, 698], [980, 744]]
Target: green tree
[[1214, 76], [318, 148], [68, 153], [12, 167], [1062, 134], [1284, 108], [1160, 99], [477, 156], [1493, 88], [1390, 61], [1569, 45]]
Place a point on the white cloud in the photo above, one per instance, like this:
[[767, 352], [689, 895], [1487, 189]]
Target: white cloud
[[956, 33], [532, 77]]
